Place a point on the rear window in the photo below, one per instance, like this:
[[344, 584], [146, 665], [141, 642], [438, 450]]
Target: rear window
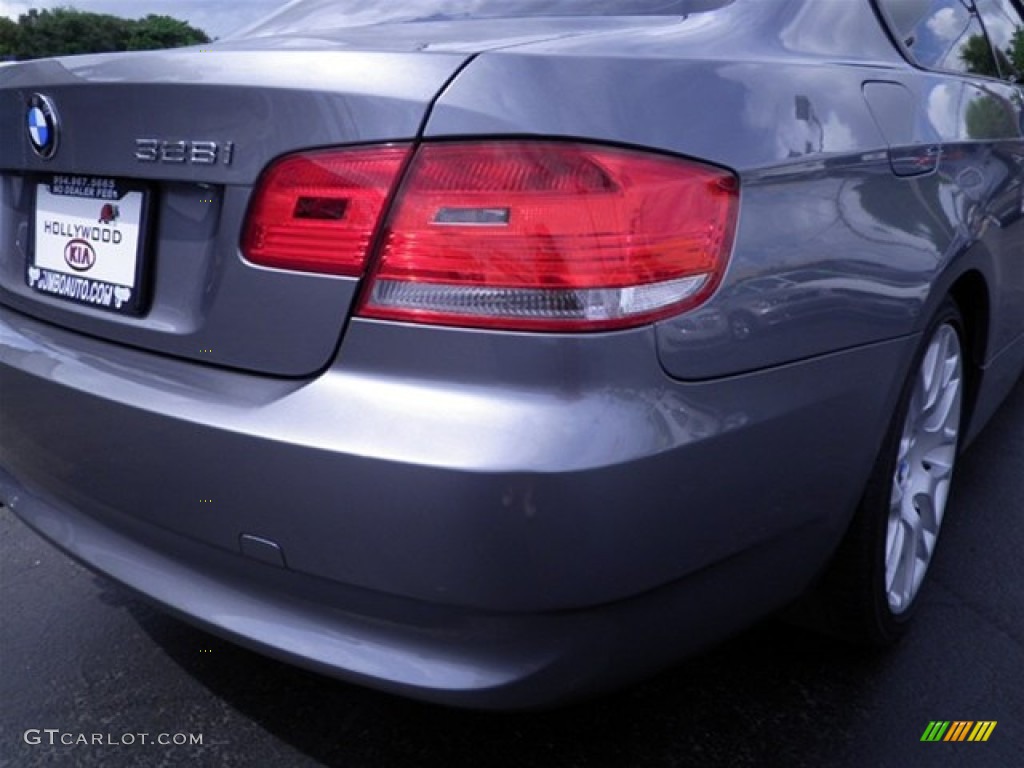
[[1005, 29], [980, 38], [937, 32], [304, 16]]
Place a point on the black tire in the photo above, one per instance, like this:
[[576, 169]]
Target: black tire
[[852, 600]]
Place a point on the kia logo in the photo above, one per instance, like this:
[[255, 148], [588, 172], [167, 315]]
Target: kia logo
[[79, 255]]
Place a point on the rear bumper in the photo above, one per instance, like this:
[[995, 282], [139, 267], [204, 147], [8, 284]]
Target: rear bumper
[[434, 653], [468, 543]]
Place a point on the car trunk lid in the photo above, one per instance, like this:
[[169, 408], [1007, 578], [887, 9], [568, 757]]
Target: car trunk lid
[[173, 143], [167, 147]]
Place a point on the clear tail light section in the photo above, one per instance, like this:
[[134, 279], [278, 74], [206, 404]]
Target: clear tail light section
[[513, 235]]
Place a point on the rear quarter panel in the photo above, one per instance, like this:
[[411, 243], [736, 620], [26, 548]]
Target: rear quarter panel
[[834, 250]]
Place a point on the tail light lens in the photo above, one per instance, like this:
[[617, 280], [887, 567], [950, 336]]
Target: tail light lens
[[517, 235], [551, 236], [319, 211]]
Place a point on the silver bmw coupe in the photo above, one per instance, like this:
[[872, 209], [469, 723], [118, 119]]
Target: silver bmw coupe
[[497, 352]]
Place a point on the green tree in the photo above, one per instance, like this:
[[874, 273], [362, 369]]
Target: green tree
[[1016, 50], [990, 118], [8, 38], [155, 32], [977, 57], [67, 31]]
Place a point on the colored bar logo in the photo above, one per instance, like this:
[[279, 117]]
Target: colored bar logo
[[958, 730]]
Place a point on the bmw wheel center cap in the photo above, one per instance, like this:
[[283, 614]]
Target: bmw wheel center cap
[[43, 126]]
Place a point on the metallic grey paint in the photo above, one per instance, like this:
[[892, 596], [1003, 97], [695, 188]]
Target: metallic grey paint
[[486, 518]]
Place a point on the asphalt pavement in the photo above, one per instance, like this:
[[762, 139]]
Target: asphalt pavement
[[82, 660]]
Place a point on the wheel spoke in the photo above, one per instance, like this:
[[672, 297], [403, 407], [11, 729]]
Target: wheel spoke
[[930, 380], [938, 416], [928, 526], [938, 462], [903, 586], [893, 555]]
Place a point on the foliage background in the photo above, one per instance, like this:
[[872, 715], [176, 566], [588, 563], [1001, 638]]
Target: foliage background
[[65, 31]]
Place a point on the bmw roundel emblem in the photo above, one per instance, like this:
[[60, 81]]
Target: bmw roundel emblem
[[43, 126]]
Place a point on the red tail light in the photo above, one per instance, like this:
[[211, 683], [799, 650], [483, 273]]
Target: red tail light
[[318, 212], [551, 236], [518, 235]]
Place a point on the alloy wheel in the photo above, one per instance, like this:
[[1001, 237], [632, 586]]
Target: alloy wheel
[[924, 468]]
